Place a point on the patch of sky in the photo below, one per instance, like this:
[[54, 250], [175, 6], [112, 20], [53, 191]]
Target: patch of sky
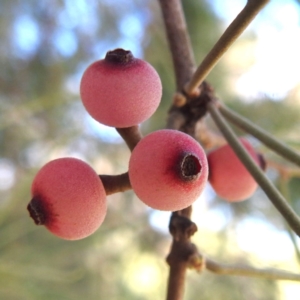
[[259, 237], [276, 70], [277, 61], [80, 13], [65, 42], [36, 154], [106, 133], [280, 12], [131, 26], [7, 174], [72, 83], [227, 10], [26, 36], [213, 219], [159, 220], [205, 215], [132, 29]]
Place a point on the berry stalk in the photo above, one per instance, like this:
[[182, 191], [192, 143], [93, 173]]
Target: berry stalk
[[115, 183], [131, 135]]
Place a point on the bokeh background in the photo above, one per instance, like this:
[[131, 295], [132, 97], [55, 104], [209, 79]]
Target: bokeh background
[[44, 48]]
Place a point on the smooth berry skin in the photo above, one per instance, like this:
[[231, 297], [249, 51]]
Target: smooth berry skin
[[120, 94], [68, 198], [156, 173], [228, 176]]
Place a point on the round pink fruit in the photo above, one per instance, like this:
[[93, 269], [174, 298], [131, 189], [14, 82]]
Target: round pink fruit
[[68, 197], [120, 90], [228, 176], [168, 170]]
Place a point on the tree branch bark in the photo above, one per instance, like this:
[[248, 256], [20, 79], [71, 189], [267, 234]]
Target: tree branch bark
[[179, 41], [131, 135], [116, 183]]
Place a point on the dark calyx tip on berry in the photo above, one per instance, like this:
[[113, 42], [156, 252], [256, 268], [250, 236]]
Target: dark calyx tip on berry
[[190, 167], [262, 161], [36, 211], [119, 56]]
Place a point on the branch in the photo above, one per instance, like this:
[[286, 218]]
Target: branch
[[179, 42], [116, 183], [234, 30], [274, 195], [182, 56], [181, 227], [183, 253], [131, 135], [243, 270], [276, 145]]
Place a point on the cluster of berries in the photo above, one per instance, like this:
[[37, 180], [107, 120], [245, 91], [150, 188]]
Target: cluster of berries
[[168, 169]]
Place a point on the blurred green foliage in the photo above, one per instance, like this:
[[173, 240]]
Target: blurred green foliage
[[44, 48]]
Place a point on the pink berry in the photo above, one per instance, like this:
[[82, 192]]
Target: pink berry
[[68, 198], [120, 90], [168, 170], [228, 176]]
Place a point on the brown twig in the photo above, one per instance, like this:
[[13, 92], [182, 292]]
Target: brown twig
[[131, 135], [183, 58], [180, 116], [184, 65], [234, 30], [193, 112], [116, 183], [179, 42], [183, 253]]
